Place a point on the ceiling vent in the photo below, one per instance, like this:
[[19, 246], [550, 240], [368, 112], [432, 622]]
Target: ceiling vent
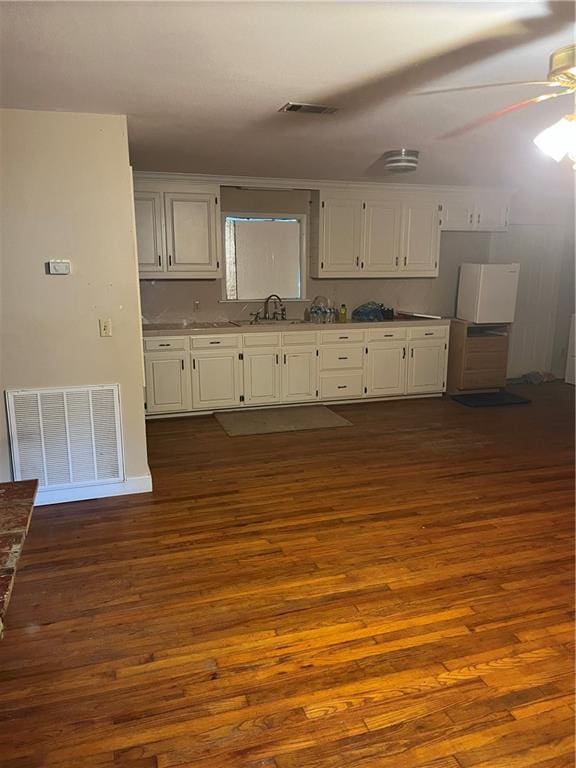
[[401, 160], [308, 109]]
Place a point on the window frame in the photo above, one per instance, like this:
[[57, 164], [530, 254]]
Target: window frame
[[302, 219]]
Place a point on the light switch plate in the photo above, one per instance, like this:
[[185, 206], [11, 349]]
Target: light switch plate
[[105, 324], [59, 267]]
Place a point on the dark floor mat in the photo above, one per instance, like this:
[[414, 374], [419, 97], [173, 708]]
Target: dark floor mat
[[486, 399]]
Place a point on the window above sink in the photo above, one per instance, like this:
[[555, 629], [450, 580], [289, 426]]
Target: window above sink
[[264, 254]]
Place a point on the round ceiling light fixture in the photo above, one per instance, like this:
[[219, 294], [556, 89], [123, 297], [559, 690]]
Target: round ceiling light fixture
[[401, 160]]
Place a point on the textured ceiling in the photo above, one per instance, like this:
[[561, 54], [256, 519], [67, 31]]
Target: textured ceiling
[[201, 83]]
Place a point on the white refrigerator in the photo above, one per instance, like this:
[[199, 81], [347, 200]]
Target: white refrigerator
[[487, 292]]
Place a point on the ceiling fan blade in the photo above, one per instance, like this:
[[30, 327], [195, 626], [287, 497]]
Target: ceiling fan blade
[[479, 47], [491, 116], [486, 85]]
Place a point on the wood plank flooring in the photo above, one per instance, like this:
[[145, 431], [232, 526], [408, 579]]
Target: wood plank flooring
[[396, 594]]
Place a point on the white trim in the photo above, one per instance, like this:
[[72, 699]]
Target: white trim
[[364, 399], [301, 218], [307, 184], [142, 484]]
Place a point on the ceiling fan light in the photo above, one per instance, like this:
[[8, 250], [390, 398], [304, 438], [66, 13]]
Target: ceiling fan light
[[559, 139]]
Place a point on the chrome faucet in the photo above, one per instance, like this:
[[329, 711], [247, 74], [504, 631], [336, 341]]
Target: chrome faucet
[[279, 312]]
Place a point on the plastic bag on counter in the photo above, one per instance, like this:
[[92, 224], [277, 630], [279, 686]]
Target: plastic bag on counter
[[372, 312]]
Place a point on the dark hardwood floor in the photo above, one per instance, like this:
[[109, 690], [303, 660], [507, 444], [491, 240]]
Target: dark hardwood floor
[[395, 594]]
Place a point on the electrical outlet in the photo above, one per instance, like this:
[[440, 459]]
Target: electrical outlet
[[105, 324]]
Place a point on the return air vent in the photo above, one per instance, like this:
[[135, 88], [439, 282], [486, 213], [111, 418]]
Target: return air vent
[[66, 437], [308, 109]]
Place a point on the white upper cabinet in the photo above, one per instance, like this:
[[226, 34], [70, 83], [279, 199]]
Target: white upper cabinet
[[381, 247], [457, 215], [149, 231], [191, 232], [420, 239], [177, 230], [491, 215], [341, 234], [475, 211], [380, 237]]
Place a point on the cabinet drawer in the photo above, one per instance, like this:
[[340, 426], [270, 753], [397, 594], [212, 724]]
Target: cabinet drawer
[[215, 342], [158, 345], [340, 358], [261, 339], [299, 337], [486, 361], [341, 337], [483, 379], [434, 332], [336, 386], [487, 344], [381, 334]]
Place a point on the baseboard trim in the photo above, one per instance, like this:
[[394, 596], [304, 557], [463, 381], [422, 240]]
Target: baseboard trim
[[142, 484], [326, 402]]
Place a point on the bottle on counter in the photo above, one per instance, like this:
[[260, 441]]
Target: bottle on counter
[[342, 314]]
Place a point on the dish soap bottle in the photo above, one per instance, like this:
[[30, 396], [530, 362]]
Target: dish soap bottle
[[342, 314]]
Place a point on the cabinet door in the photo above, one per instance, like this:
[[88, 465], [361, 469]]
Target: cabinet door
[[421, 239], [491, 216], [386, 370], [341, 237], [457, 215], [167, 382], [215, 379], [149, 233], [191, 233], [299, 374], [262, 375], [426, 366], [381, 247]]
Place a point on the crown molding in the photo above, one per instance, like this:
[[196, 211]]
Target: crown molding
[[265, 182]]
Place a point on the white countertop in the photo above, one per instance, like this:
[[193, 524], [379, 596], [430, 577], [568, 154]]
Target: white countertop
[[178, 329]]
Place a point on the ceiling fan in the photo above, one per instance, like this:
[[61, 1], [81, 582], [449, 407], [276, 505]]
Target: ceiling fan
[[561, 77]]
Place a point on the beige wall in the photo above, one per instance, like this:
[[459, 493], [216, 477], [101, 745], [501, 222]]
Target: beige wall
[[167, 301], [66, 194]]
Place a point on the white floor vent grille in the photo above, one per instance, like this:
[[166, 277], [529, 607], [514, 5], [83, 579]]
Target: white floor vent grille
[[66, 437]]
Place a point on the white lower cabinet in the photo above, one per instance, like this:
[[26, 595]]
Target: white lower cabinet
[[167, 382], [267, 368], [336, 386], [426, 372], [299, 374], [386, 368], [216, 378], [262, 375]]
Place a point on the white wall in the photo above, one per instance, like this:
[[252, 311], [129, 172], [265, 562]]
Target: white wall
[[541, 239], [66, 194]]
